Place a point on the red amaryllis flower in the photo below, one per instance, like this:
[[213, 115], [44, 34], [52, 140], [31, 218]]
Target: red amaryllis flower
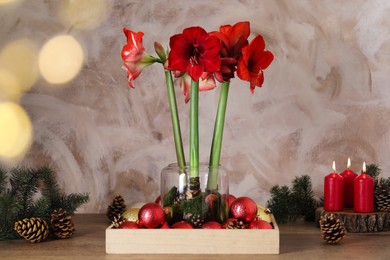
[[253, 61], [194, 51], [206, 82], [233, 39], [134, 56]]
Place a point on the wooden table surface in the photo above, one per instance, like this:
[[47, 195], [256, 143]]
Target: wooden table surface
[[297, 241]]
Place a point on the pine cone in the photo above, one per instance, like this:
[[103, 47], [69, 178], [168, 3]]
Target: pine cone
[[32, 229], [332, 228], [196, 220], [118, 220], [233, 223], [61, 224], [382, 198], [117, 207]]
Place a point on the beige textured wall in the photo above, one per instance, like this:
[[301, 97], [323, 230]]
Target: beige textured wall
[[325, 96]]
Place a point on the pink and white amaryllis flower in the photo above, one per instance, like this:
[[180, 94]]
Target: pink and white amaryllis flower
[[206, 82], [134, 56]]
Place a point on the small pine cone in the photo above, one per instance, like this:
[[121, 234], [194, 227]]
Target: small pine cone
[[382, 199], [196, 220], [178, 199], [233, 223], [118, 220], [332, 228], [61, 224], [117, 207], [32, 229]]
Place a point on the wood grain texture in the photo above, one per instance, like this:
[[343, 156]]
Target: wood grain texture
[[361, 222], [325, 97]]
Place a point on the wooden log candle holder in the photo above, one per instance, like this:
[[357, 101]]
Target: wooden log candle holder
[[360, 222]]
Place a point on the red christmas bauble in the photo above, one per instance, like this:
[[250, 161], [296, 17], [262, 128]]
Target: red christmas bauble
[[129, 225], [211, 225], [182, 225], [260, 224], [228, 199], [151, 215], [165, 225], [244, 209]]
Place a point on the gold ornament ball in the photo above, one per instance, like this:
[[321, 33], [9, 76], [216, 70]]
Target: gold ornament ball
[[131, 214], [263, 213]]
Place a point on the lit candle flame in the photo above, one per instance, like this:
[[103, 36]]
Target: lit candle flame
[[334, 166], [364, 167], [349, 163]]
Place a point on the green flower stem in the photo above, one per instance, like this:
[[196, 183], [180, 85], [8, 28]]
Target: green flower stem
[[194, 129], [194, 139], [215, 154], [175, 120]]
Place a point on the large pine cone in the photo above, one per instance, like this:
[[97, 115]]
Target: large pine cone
[[332, 228], [117, 207], [61, 224], [32, 229]]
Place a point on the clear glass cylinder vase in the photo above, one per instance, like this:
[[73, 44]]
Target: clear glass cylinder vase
[[182, 203]]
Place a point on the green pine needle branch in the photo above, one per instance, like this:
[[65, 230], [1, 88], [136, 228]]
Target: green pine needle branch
[[21, 200]]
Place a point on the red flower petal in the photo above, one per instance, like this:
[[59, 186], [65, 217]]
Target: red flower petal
[[253, 61], [233, 39], [194, 51], [133, 54]]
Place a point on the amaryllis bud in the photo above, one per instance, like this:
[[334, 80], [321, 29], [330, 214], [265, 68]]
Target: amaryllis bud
[[160, 51]]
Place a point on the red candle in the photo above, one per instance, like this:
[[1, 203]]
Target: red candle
[[364, 192], [349, 176], [333, 191]]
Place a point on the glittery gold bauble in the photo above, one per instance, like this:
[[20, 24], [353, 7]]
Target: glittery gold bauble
[[131, 214], [263, 213]]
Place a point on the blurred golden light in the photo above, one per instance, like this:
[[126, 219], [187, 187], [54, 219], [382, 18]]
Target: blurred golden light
[[19, 66], [15, 130], [60, 59], [10, 88], [3, 2], [84, 14]]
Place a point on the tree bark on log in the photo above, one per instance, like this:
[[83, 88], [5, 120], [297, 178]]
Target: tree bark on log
[[360, 222]]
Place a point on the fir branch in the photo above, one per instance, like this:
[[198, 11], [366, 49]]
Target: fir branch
[[373, 170], [50, 189], [41, 209], [3, 179], [303, 200], [71, 202], [57, 199], [24, 184], [18, 202], [288, 204], [9, 208], [279, 203]]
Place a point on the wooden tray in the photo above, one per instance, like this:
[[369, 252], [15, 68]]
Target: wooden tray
[[193, 241]]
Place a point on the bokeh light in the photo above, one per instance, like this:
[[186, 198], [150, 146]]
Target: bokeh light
[[4, 2], [10, 88], [60, 59], [84, 14], [18, 68], [15, 131]]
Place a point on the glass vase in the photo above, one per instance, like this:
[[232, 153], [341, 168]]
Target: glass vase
[[182, 203]]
